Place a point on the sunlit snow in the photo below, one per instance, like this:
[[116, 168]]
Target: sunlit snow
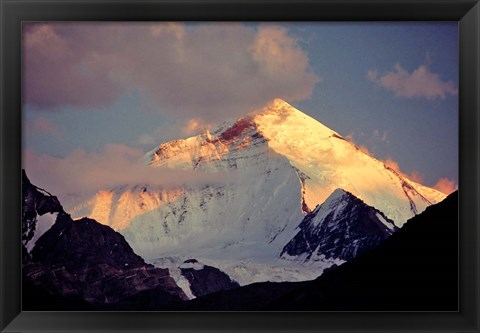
[[281, 158]]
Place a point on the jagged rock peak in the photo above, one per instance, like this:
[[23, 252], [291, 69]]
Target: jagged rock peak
[[342, 227], [39, 212]]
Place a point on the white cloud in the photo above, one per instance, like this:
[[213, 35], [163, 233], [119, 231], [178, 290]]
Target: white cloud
[[114, 165], [420, 83]]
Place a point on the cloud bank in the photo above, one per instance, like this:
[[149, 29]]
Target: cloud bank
[[420, 83], [197, 71], [114, 165], [414, 175]]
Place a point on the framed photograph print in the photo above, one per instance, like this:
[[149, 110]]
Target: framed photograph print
[[239, 166]]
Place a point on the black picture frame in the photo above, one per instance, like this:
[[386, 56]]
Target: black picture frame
[[13, 12]]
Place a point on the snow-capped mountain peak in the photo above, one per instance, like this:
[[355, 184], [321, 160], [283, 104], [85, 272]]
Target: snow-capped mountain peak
[[278, 116], [323, 159], [285, 164], [278, 122]]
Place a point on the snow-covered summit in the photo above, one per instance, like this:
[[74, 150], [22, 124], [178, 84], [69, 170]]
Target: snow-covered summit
[[323, 159], [285, 164], [276, 123]]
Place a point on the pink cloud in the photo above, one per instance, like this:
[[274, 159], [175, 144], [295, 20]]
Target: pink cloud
[[181, 128], [445, 185], [44, 127], [210, 71], [114, 165], [195, 126], [420, 83], [365, 150], [414, 175], [392, 164]]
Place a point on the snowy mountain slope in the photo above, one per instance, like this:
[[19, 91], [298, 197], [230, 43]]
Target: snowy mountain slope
[[332, 162], [285, 164], [119, 206], [44, 222], [252, 217], [342, 227], [323, 159]]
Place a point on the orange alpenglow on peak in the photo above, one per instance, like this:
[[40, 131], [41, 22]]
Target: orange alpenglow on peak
[[275, 165], [325, 159]]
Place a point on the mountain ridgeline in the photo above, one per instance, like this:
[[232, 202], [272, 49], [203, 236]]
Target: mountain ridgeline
[[342, 227], [36, 202]]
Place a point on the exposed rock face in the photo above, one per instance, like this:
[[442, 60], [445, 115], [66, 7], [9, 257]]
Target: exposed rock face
[[205, 279], [36, 202], [85, 260], [342, 228]]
